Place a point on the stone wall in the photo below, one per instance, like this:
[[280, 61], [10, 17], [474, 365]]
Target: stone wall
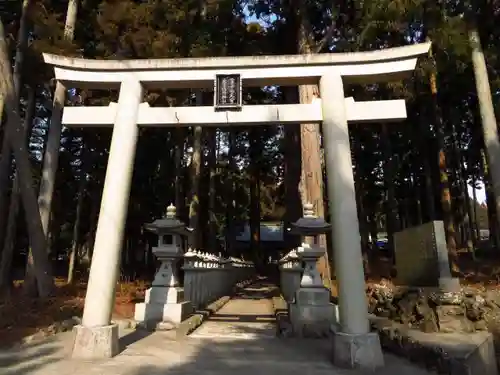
[[429, 310]]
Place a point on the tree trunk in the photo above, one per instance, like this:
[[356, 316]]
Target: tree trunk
[[443, 172], [429, 186], [488, 120], [312, 172], [472, 239], [178, 188], [12, 221], [490, 202], [389, 186], [255, 156], [8, 248], [230, 186], [78, 218], [194, 205], [474, 208], [362, 216], [293, 162], [14, 133], [1, 107], [6, 159], [51, 155], [212, 193]]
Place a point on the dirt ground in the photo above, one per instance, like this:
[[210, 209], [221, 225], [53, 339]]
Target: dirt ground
[[21, 316]]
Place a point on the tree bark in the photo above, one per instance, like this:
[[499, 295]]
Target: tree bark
[[488, 119], [312, 172], [490, 201], [474, 208], [178, 188], [230, 184], [443, 171], [78, 218], [194, 205], [212, 193], [51, 155], [14, 134], [390, 209], [8, 249], [293, 164], [6, 158], [255, 156]]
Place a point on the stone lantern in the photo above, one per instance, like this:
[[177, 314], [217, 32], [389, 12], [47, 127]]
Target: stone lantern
[[312, 314], [164, 301]]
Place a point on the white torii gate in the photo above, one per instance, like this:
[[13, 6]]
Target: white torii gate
[[355, 345]]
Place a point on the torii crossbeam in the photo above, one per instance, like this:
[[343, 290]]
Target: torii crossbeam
[[354, 344]]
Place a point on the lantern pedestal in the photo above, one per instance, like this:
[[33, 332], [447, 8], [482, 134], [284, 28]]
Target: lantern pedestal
[[312, 314], [165, 299], [171, 312]]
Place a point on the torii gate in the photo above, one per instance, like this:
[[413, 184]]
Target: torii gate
[[355, 345]]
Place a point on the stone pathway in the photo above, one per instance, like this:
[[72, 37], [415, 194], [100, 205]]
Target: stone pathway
[[248, 315], [240, 338]]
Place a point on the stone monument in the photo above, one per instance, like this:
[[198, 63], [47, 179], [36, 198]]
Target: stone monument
[[422, 258], [164, 301], [311, 314]]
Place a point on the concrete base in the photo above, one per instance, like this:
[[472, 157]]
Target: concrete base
[[95, 342], [168, 312], [357, 351], [312, 314], [164, 294]]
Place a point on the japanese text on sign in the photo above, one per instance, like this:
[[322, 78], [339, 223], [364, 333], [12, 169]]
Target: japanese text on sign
[[228, 91]]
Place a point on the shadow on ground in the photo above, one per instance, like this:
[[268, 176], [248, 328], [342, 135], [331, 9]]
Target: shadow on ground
[[30, 358], [160, 354]]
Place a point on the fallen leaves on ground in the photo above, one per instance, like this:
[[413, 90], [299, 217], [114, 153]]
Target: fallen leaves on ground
[[21, 316]]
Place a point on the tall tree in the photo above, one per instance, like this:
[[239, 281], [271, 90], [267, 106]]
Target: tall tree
[[51, 156], [488, 119], [5, 160], [14, 133]]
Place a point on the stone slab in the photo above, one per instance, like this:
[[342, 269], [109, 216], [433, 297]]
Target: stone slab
[[95, 342], [169, 312], [470, 354], [357, 351], [450, 353]]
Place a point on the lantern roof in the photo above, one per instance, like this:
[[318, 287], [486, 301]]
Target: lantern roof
[[168, 224], [310, 224]]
